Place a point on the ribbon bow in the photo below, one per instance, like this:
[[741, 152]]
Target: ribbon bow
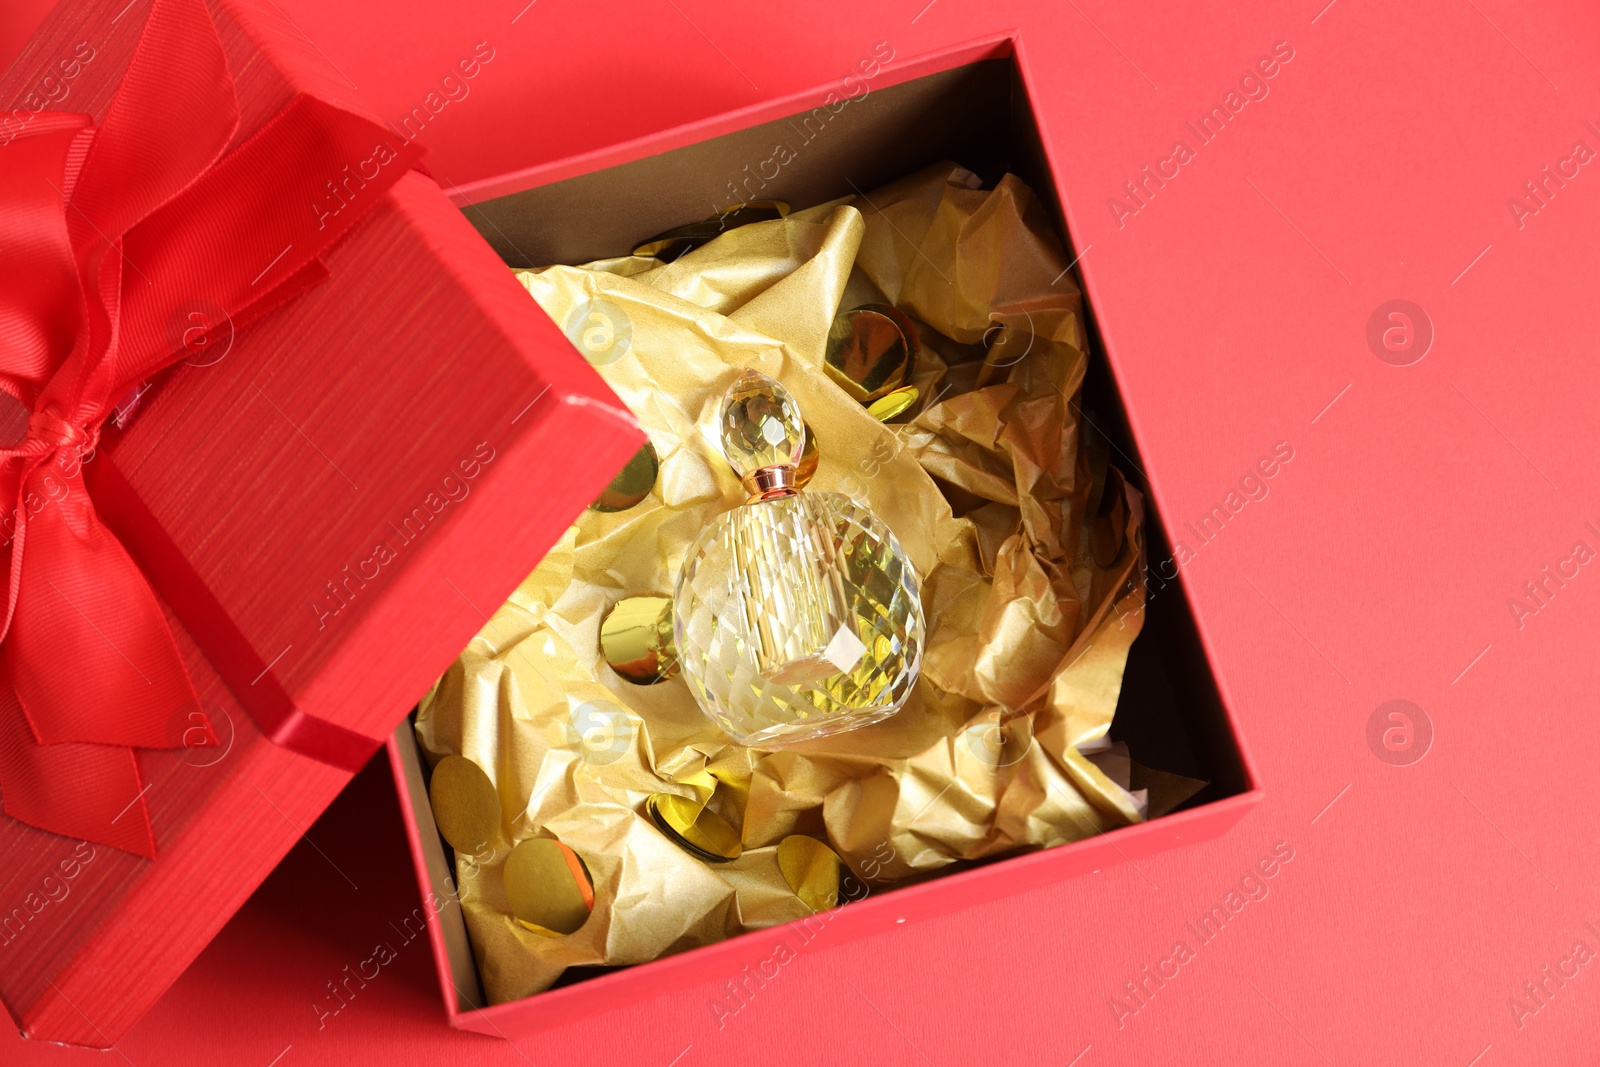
[[109, 236]]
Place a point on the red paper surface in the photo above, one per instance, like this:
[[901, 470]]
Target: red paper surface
[[1421, 898]]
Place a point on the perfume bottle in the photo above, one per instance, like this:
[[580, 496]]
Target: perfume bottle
[[796, 615]]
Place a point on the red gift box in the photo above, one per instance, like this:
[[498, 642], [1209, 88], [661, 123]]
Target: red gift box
[[312, 458], [970, 104]]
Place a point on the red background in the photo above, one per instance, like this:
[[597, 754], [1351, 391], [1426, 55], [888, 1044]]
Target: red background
[[1420, 898]]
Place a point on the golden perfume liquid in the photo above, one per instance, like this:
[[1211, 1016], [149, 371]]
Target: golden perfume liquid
[[796, 615]]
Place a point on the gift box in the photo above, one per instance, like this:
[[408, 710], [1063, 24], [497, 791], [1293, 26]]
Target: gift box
[[279, 430], [969, 104]]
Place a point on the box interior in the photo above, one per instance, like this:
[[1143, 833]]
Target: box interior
[[977, 115]]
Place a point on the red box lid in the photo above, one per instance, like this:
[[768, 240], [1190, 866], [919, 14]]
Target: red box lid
[[328, 500]]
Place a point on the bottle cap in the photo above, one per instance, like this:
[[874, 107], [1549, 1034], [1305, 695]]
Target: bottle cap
[[763, 436]]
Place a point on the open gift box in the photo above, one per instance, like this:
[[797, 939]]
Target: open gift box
[[970, 105]]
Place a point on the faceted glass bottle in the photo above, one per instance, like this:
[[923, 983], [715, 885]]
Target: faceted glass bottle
[[796, 615]]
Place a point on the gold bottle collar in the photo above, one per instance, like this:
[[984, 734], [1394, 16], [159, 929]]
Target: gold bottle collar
[[770, 483]]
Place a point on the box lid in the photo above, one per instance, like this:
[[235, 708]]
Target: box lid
[[327, 492]]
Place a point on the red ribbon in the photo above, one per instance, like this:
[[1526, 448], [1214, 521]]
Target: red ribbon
[[108, 234]]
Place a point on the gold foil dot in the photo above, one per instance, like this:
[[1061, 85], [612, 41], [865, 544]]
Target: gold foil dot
[[636, 639], [908, 330], [870, 351], [696, 829], [632, 484], [812, 870], [679, 240], [465, 805], [548, 887], [1108, 528], [893, 404]]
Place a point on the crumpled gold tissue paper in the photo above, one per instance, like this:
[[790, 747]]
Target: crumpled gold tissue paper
[[987, 487]]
